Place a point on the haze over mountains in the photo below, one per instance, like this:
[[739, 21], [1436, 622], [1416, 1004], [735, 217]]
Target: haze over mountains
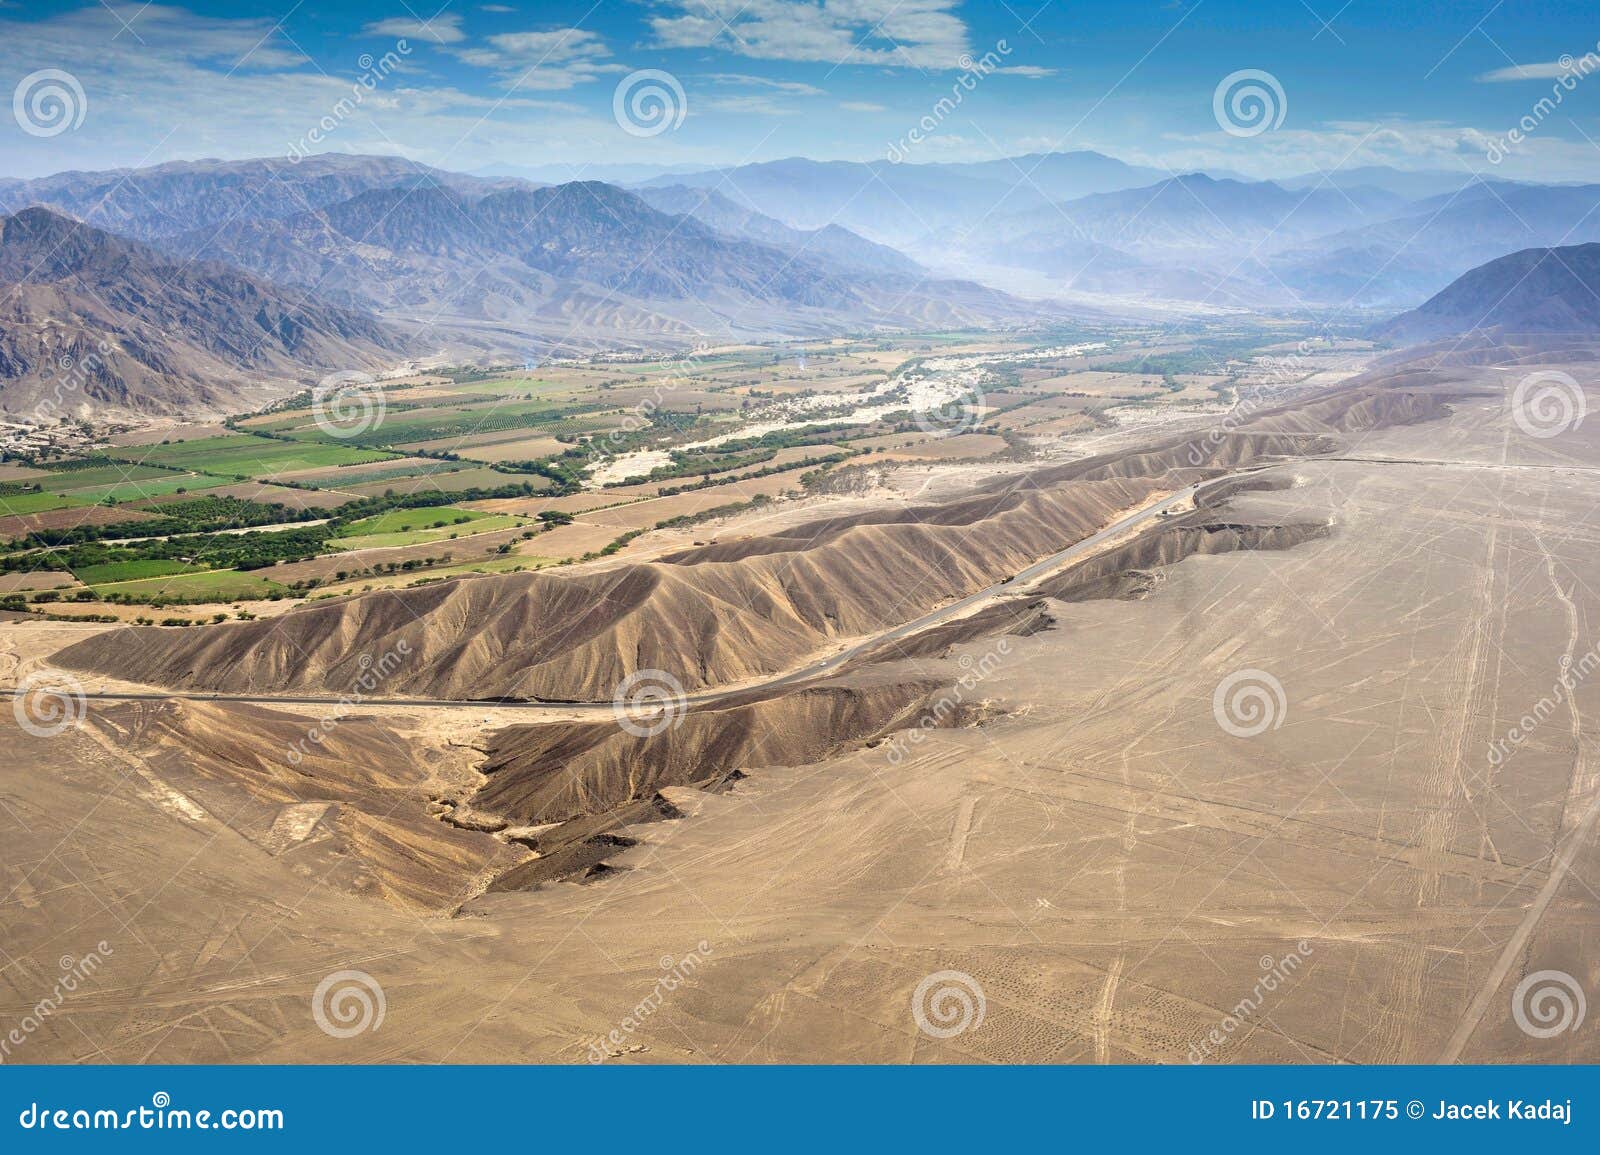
[[340, 262], [1369, 238]]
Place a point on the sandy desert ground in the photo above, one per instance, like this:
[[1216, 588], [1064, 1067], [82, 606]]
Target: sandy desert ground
[[1258, 785]]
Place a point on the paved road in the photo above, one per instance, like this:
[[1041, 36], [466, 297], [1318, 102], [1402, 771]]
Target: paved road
[[1016, 584]]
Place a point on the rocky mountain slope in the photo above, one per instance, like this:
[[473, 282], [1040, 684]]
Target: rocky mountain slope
[[167, 199], [579, 262], [721, 613], [91, 321], [1535, 291]]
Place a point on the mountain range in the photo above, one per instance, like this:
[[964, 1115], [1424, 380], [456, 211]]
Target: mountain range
[[580, 264], [89, 320], [1544, 291], [217, 281]]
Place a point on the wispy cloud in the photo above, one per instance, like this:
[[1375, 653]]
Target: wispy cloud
[[442, 29], [887, 33], [195, 86], [553, 60], [1547, 70], [743, 80]]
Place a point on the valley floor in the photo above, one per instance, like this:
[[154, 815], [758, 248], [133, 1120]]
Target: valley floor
[[1272, 805]]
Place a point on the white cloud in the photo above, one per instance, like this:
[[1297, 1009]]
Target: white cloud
[[861, 106], [1031, 71], [891, 33], [751, 104], [742, 80], [557, 59], [1337, 144], [1548, 70], [201, 87], [443, 29]]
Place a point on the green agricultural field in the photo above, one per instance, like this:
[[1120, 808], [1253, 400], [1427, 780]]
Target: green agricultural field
[[406, 520], [245, 455], [167, 483], [509, 563], [438, 422], [483, 523], [512, 386], [411, 472], [16, 503], [211, 585], [101, 475], [127, 571]]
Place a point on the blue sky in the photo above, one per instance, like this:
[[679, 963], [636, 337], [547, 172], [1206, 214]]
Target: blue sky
[[1417, 85]]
